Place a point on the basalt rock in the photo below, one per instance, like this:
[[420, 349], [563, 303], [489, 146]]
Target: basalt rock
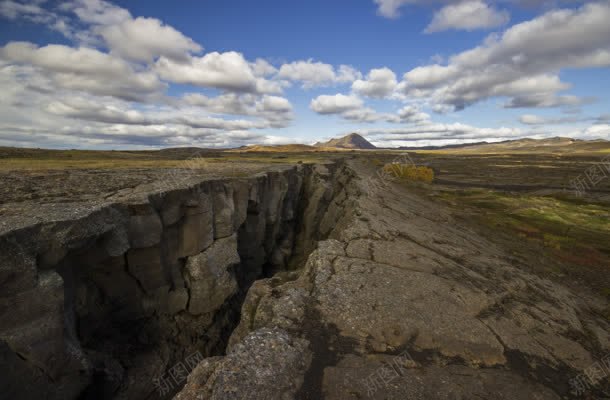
[[301, 282], [401, 302], [106, 299]]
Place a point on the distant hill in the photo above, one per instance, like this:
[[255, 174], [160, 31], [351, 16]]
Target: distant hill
[[527, 145], [448, 146], [351, 141], [280, 148]]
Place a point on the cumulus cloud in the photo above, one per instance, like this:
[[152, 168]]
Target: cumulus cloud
[[97, 12], [276, 110], [434, 132], [85, 69], [93, 23], [596, 131], [339, 103], [112, 87], [13, 10], [532, 119], [82, 109], [52, 115], [390, 8], [467, 15], [379, 83], [144, 39], [347, 74], [312, 74], [262, 68], [547, 100], [522, 63], [86, 109], [412, 113], [227, 71], [352, 108], [349, 107]]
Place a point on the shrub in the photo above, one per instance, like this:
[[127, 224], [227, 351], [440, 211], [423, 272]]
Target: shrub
[[409, 172]]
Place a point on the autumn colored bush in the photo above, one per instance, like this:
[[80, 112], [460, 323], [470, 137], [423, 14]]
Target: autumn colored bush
[[409, 172]]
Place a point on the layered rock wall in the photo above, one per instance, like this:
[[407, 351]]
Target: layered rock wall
[[105, 302]]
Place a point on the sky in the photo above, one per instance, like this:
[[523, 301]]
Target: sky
[[96, 74]]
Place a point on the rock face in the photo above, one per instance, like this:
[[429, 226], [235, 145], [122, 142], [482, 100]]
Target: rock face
[[401, 302], [351, 141], [367, 291], [268, 363], [107, 303]]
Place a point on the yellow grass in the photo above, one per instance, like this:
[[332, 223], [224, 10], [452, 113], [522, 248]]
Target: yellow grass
[[410, 172]]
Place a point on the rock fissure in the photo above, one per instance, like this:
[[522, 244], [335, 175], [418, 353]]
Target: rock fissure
[[144, 283], [292, 284]]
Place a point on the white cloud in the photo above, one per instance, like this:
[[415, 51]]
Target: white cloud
[[442, 108], [227, 71], [274, 109], [367, 115], [601, 131], [531, 119], [379, 83], [97, 12], [313, 74], [144, 39], [544, 100], [58, 96], [522, 62], [309, 72], [121, 113], [467, 15], [352, 108], [85, 69], [100, 23], [347, 74], [83, 109], [262, 68], [275, 103], [390, 8], [432, 132], [35, 110], [339, 103], [13, 10], [111, 88], [412, 114]]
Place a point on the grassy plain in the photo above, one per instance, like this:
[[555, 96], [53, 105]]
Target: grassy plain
[[522, 200]]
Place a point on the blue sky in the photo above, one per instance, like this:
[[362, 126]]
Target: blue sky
[[145, 74]]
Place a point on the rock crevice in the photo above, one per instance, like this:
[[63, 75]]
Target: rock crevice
[[111, 300]]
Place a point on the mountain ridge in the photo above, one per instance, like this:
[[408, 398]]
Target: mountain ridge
[[351, 141]]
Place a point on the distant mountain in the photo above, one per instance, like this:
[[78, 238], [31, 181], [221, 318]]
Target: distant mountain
[[448, 146], [351, 141], [526, 145], [280, 148]]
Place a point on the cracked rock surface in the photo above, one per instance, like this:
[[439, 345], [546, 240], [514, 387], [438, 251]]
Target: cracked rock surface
[[403, 302]]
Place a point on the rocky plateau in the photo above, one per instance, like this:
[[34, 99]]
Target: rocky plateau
[[311, 281]]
